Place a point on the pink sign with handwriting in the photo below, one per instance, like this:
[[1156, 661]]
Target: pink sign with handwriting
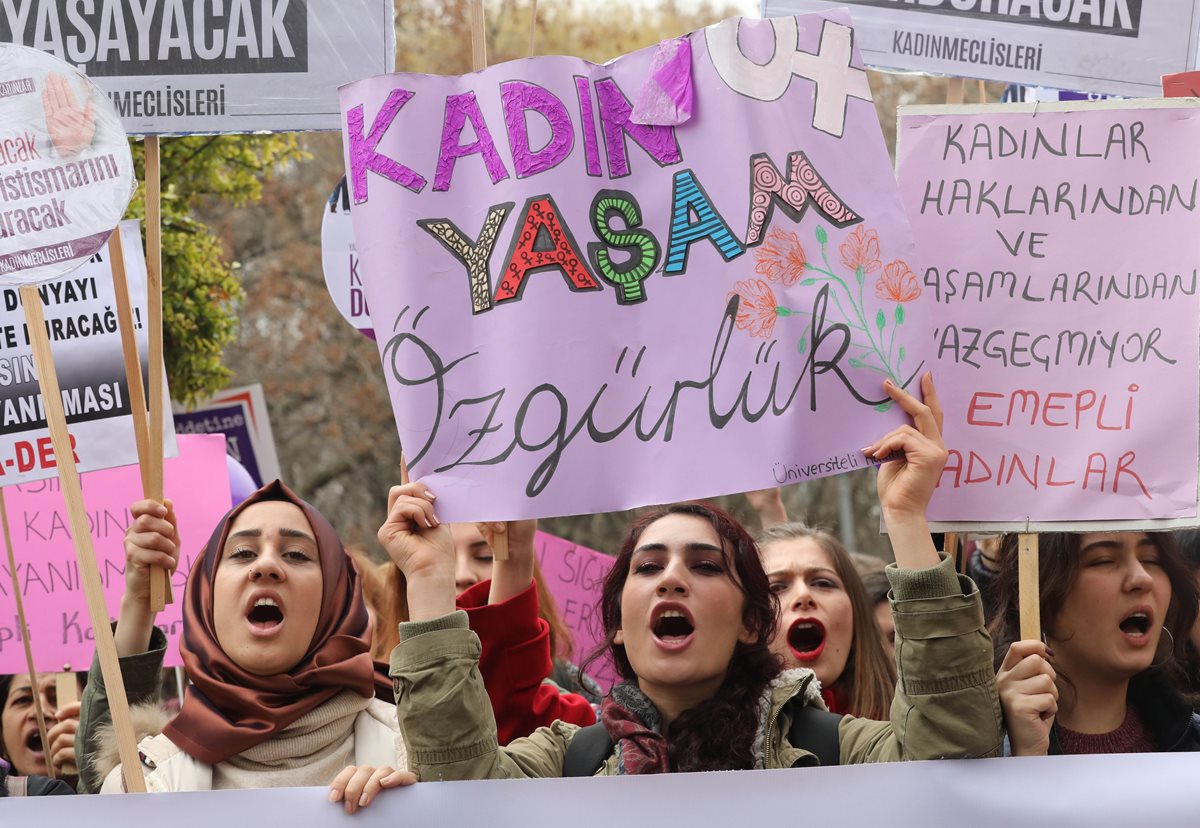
[[1059, 244], [574, 575], [197, 481]]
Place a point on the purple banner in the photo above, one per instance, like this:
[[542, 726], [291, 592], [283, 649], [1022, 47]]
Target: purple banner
[[683, 273]]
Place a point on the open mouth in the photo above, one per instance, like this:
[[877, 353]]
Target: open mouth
[[1136, 625], [33, 743], [672, 627], [265, 616], [806, 639]]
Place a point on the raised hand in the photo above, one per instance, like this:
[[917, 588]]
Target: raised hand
[[905, 485], [71, 126], [358, 785], [511, 577], [768, 505], [422, 548], [1028, 697], [62, 741], [151, 540]]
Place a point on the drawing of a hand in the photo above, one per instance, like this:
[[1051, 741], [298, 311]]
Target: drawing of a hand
[[71, 126]]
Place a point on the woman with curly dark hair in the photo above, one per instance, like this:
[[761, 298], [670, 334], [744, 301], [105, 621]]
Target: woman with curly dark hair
[[689, 617], [1117, 609]]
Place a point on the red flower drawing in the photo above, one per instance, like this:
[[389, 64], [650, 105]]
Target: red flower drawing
[[781, 258], [898, 283], [756, 312], [861, 249]]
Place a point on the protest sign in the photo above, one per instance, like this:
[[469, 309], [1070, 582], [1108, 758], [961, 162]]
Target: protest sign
[[1181, 85], [574, 575], [1116, 46], [180, 67], [340, 262], [1042, 93], [82, 324], [240, 414], [59, 628], [1058, 243], [692, 310], [896, 793], [66, 173], [76, 128]]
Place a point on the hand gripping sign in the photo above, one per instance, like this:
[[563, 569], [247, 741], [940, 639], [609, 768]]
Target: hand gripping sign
[[66, 174]]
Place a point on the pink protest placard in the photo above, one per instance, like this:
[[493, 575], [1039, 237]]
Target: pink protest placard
[[574, 575], [681, 274], [197, 481], [1059, 243]]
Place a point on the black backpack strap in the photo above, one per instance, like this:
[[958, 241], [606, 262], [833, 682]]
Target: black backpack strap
[[816, 731], [587, 751]]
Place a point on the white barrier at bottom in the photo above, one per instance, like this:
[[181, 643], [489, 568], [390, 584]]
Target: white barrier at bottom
[[1096, 791]]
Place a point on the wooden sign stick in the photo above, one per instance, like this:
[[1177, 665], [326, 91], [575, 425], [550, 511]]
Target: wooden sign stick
[[954, 90], [66, 686], [133, 381], [1028, 588], [950, 546], [160, 584], [479, 59], [478, 36], [89, 570], [33, 683], [532, 27]]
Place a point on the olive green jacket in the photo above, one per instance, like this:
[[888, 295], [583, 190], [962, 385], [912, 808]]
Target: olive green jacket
[[945, 704]]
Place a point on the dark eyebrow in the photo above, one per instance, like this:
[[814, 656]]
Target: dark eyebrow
[[691, 547], [479, 544], [284, 532], [1106, 544], [296, 533], [822, 569], [650, 547]]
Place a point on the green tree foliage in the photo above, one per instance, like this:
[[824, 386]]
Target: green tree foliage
[[201, 291]]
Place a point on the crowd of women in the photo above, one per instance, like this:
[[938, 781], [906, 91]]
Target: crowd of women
[[311, 665]]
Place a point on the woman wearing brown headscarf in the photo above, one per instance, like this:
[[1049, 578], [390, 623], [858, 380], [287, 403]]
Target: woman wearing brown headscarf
[[276, 641]]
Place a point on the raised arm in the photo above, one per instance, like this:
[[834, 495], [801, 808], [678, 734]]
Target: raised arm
[[946, 704], [442, 705], [152, 539]]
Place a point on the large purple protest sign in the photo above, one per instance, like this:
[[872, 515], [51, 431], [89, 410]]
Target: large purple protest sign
[[580, 311], [575, 575], [1060, 247]]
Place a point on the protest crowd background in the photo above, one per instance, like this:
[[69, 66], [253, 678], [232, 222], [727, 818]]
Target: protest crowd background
[[890, 457]]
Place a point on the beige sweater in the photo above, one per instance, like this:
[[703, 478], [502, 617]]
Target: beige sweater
[[347, 730]]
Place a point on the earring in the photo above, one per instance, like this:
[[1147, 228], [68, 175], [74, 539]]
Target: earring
[[1170, 649]]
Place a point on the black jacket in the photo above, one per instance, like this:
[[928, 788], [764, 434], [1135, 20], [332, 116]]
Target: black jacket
[[31, 785]]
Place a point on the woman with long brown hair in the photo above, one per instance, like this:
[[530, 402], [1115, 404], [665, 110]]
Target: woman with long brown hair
[[827, 623]]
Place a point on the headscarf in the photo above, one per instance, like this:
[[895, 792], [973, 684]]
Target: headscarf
[[229, 710]]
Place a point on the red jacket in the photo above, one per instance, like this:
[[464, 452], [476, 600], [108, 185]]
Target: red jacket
[[515, 663]]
